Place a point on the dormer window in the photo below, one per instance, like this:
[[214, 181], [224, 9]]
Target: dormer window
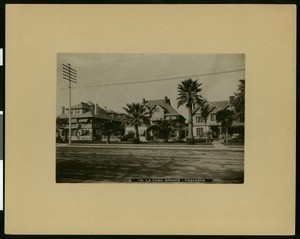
[[199, 119]]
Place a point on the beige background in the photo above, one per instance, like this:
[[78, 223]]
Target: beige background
[[264, 204]]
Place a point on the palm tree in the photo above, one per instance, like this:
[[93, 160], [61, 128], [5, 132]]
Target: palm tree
[[136, 115], [188, 95], [226, 117], [164, 128], [204, 114]]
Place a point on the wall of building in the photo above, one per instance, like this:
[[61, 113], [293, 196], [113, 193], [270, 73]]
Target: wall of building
[[157, 113], [142, 131]]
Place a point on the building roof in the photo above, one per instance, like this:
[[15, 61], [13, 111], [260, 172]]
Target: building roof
[[220, 104], [81, 105], [213, 110], [89, 114], [111, 112], [236, 123], [102, 114], [169, 110], [214, 105]]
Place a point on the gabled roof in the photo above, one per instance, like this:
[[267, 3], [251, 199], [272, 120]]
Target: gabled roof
[[169, 110], [220, 104], [205, 101], [154, 106], [213, 110], [214, 105], [90, 103]]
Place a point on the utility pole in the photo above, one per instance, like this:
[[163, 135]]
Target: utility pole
[[70, 75]]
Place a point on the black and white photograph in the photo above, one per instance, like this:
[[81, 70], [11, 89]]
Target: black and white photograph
[[150, 118]]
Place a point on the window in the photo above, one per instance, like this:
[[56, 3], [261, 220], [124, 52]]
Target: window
[[213, 117], [156, 109], [199, 119], [199, 131], [85, 132]]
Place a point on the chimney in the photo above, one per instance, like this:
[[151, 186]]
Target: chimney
[[96, 109], [63, 109], [105, 108], [144, 101], [231, 99], [167, 101]]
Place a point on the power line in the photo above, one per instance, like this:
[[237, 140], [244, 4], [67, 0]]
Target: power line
[[163, 79], [117, 61]]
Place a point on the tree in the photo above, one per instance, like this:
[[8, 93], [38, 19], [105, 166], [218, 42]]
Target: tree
[[163, 128], [136, 115], [107, 129], [120, 129], [188, 95], [226, 117], [239, 102], [204, 114]]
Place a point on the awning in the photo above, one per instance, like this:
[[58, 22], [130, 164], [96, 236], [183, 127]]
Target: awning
[[83, 120], [73, 121]]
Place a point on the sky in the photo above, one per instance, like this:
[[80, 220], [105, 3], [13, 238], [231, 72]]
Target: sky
[[113, 80]]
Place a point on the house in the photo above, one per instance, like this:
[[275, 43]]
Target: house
[[161, 109], [212, 126], [87, 121], [115, 115]]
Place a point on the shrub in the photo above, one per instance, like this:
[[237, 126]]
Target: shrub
[[59, 139], [201, 140], [190, 141], [136, 141], [129, 136], [149, 137]]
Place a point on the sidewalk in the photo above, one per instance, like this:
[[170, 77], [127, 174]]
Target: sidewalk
[[217, 146]]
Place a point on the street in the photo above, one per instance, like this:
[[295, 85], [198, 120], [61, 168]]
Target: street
[[119, 165]]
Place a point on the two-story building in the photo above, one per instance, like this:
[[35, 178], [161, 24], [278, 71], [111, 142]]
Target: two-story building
[[200, 128], [87, 120], [161, 109]]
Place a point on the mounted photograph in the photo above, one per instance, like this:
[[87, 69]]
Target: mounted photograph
[[150, 118]]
